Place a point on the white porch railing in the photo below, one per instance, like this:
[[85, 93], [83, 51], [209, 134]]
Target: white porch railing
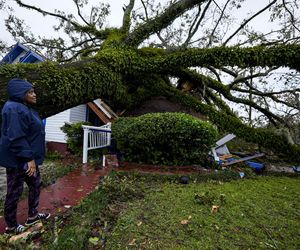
[[95, 137]]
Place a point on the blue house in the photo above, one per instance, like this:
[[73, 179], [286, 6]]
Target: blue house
[[22, 54]]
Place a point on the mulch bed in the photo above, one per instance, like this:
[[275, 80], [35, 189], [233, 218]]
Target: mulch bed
[[160, 169]]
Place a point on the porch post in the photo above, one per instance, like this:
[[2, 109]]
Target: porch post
[[85, 145]]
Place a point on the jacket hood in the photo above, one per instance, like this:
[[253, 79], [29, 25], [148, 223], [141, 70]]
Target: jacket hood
[[17, 89]]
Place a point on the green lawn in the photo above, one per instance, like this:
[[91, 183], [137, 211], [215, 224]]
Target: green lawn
[[135, 211], [258, 213]]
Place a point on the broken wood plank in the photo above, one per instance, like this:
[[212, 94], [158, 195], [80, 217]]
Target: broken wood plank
[[243, 159]]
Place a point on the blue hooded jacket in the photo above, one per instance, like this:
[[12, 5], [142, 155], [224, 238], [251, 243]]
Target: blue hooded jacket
[[22, 130]]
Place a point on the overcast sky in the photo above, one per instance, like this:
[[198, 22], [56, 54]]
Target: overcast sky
[[43, 25]]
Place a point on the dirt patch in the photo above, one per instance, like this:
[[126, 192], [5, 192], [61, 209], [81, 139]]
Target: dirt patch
[[70, 159], [160, 169]]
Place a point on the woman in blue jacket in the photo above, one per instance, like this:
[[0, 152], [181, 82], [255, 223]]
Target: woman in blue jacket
[[22, 150]]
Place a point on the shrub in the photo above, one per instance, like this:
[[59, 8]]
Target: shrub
[[74, 134], [164, 138]]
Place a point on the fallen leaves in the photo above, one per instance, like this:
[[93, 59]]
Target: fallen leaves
[[94, 240], [132, 242], [185, 222], [215, 209], [35, 229]]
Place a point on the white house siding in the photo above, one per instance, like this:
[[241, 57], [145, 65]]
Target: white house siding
[[55, 122], [53, 125], [78, 114]]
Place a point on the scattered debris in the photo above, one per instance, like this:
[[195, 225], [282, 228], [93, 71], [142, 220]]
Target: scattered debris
[[296, 169], [215, 209], [31, 231], [242, 174], [246, 159], [110, 160], [132, 242], [184, 179], [55, 230], [280, 169], [94, 240], [224, 158], [184, 222]]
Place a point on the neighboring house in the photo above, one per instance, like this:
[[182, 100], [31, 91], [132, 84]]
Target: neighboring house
[[96, 112]]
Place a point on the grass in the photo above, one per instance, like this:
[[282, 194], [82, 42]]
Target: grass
[[255, 213], [136, 211]]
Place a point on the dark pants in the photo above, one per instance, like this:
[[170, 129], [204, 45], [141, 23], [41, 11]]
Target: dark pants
[[15, 182]]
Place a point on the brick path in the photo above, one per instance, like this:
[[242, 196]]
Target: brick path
[[66, 192]]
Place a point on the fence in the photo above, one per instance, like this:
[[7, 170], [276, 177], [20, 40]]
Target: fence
[[95, 137]]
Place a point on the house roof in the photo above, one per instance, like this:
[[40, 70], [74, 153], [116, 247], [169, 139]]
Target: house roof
[[102, 110], [21, 53]]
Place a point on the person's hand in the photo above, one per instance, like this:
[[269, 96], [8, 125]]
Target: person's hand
[[31, 171]]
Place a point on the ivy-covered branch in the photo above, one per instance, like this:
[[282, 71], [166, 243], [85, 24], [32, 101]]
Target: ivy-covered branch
[[61, 87], [160, 22], [263, 56], [127, 17]]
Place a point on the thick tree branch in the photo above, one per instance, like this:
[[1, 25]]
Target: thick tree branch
[[273, 56], [127, 17], [218, 102], [160, 22], [63, 86]]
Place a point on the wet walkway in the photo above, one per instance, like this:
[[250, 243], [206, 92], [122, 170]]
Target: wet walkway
[[67, 192]]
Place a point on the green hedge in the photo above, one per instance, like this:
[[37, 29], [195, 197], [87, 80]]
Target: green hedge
[[164, 138], [74, 134]]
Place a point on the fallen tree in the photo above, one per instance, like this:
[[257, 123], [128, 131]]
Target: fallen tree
[[125, 67]]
